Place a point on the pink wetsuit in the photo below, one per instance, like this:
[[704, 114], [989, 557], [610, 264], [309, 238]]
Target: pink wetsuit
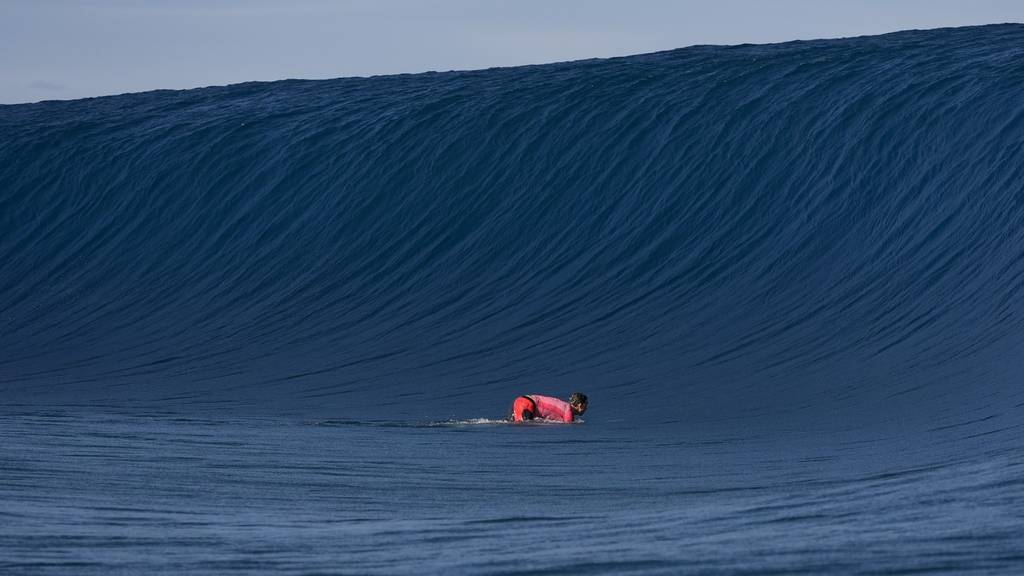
[[550, 408]]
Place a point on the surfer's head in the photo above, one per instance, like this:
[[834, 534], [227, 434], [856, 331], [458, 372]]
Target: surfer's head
[[578, 402]]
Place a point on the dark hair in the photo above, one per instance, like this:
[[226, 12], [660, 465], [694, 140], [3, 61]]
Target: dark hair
[[578, 398]]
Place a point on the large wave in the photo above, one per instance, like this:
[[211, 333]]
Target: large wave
[[830, 228]]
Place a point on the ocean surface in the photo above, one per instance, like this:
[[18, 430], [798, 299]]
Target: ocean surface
[[275, 327]]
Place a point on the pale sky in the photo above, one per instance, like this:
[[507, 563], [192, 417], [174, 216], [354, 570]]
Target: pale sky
[[61, 49]]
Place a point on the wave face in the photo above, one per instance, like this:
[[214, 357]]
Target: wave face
[[831, 229]]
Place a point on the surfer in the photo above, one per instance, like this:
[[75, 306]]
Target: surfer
[[535, 406]]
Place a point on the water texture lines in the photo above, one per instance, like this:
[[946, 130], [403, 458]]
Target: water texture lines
[[814, 223]]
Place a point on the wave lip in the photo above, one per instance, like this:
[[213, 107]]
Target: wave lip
[[801, 229]]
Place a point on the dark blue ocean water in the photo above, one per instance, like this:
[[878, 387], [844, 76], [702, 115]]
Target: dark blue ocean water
[[271, 327], [150, 492]]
